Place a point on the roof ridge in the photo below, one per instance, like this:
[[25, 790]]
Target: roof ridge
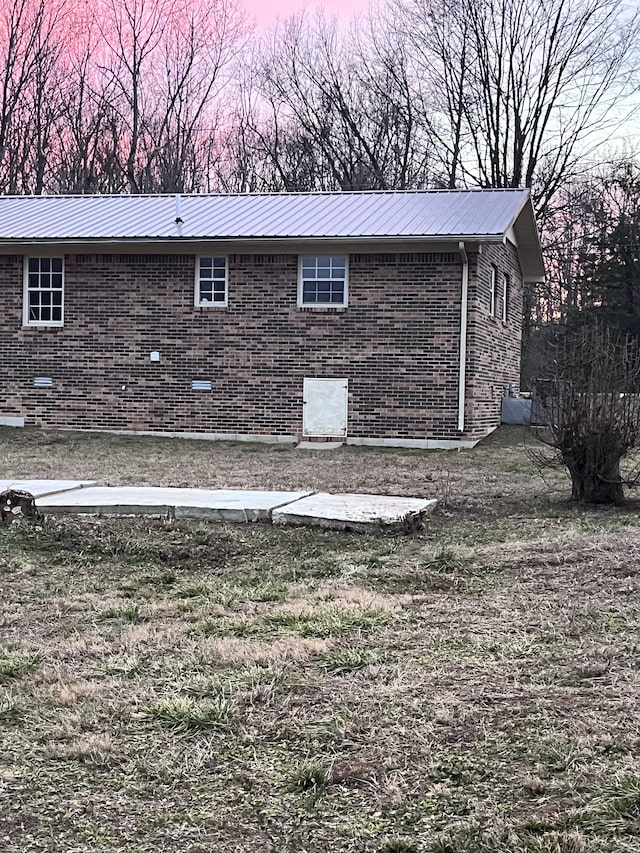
[[268, 194]]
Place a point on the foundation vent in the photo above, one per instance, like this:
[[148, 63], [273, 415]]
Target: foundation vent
[[43, 382], [201, 385]]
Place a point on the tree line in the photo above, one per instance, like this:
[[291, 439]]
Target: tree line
[[170, 95]]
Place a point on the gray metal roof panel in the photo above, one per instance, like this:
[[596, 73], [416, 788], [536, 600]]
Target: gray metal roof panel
[[411, 214]]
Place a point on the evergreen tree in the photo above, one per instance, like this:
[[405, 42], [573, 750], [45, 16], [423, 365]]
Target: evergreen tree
[[613, 265]]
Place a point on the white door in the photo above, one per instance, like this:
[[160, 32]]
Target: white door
[[325, 407]]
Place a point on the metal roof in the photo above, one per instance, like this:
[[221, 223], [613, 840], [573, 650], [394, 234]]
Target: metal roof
[[305, 215], [483, 214]]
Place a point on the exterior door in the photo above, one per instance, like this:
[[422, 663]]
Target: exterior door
[[325, 406]]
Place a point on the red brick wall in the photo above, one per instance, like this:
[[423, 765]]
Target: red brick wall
[[493, 362], [397, 343]]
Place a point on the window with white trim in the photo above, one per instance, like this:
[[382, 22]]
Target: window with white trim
[[504, 297], [493, 282], [44, 291], [211, 282], [322, 280]]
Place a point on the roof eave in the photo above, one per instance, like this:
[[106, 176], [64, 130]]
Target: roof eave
[[524, 225], [173, 240]]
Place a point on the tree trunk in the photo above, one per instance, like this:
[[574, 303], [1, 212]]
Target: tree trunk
[[594, 466]]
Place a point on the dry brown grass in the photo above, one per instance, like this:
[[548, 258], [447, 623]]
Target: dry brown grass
[[189, 687], [142, 460]]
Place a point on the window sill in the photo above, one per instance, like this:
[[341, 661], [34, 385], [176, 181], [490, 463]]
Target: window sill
[[35, 326], [332, 308]]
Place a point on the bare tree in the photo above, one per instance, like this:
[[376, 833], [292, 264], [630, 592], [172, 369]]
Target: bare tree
[[30, 45], [86, 145], [335, 110], [197, 48], [524, 87], [163, 61], [131, 32], [590, 408], [240, 162]]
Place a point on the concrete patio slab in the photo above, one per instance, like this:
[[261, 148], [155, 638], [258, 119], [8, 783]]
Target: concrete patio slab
[[212, 505], [40, 488], [355, 512], [342, 511]]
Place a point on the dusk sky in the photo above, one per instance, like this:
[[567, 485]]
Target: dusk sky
[[267, 12]]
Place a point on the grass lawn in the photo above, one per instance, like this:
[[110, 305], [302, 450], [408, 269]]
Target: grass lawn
[[203, 688]]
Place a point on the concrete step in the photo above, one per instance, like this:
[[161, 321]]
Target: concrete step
[[319, 445]]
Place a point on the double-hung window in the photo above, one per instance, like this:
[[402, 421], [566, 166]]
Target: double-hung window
[[44, 291], [211, 282], [498, 294], [504, 298], [493, 284], [322, 280]]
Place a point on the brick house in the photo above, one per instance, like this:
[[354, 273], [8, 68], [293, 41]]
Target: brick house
[[371, 317]]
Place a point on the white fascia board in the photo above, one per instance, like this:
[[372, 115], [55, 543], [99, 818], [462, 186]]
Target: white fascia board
[[96, 244]]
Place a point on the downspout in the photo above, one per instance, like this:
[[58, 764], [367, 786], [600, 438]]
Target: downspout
[[464, 300]]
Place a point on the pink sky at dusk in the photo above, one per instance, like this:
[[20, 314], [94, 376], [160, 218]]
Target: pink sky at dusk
[[267, 12]]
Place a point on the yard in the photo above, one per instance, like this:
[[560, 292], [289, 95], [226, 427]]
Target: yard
[[186, 687]]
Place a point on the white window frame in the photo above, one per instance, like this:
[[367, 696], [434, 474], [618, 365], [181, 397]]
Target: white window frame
[[28, 290], [493, 281], [198, 301], [505, 296], [345, 283]]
